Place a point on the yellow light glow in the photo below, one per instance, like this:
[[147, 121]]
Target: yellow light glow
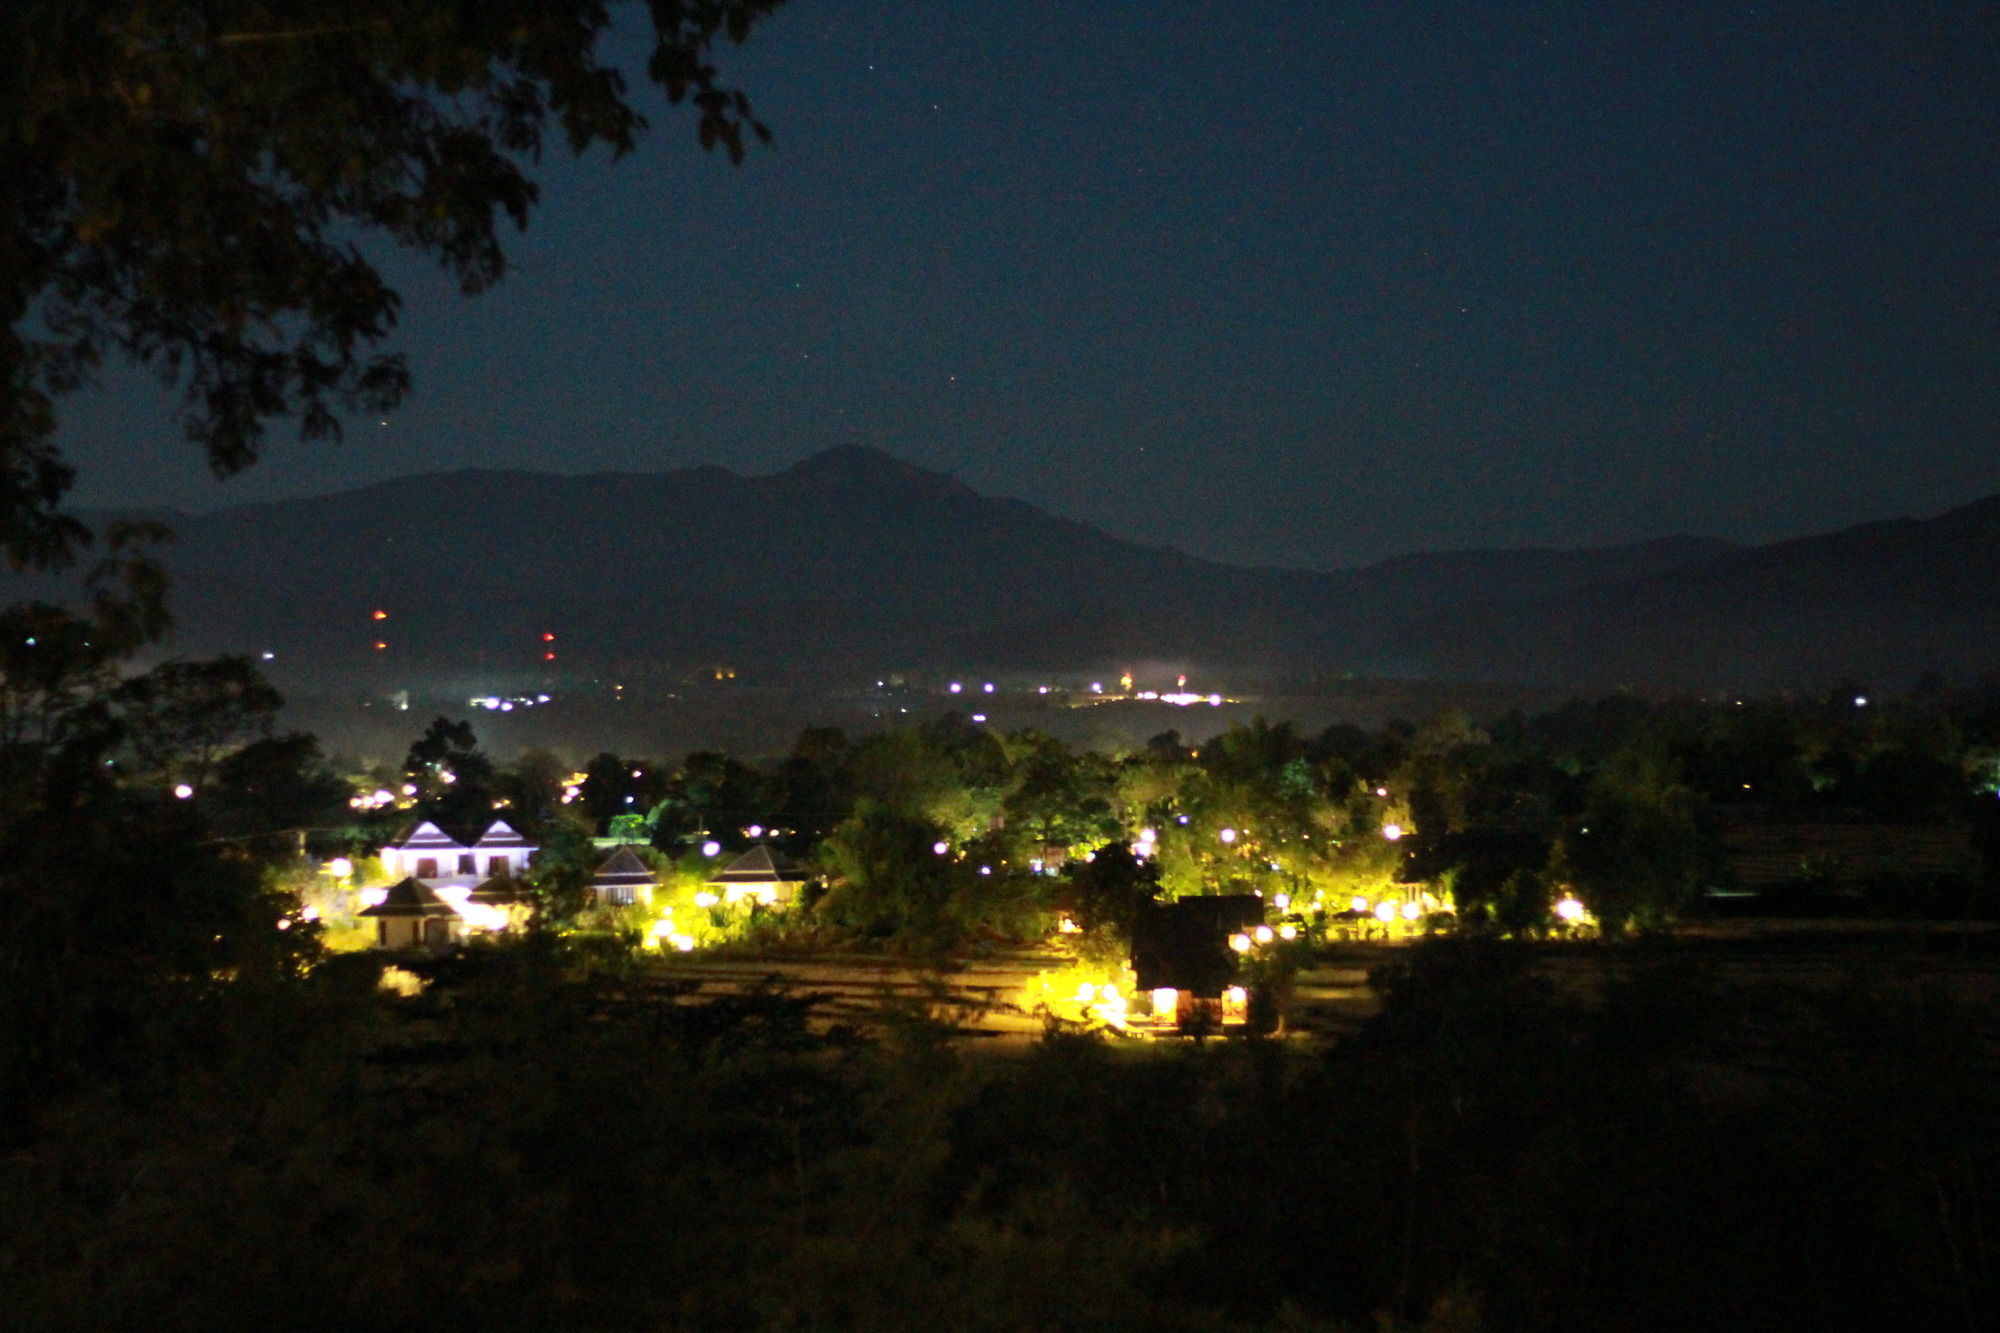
[[1085, 992], [1358, 903], [340, 867], [1569, 909], [1288, 931], [1262, 934], [1069, 927], [1165, 1000], [705, 899], [1283, 901], [1392, 831], [685, 943], [1385, 912], [1240, 942], [1411, 911]]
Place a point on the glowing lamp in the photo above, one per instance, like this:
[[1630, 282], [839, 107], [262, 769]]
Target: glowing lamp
[[1227, 835], [711, 848], [705, 899], [1385, 912], [1283, 901], [1288, 931], [940, 847], [1240, 942], [182, 791], [1411, 911], [1358, 903], [1262, 934], [1569, 909], [1392, 831], [340, 867]]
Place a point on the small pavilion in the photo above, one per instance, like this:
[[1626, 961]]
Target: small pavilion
[[623, 879], [761, 876], [412, 916]]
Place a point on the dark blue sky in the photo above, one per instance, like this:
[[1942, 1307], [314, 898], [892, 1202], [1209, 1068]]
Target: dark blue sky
[[1305, 283]]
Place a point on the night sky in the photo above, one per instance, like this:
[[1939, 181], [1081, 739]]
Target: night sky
[[1307, 283]]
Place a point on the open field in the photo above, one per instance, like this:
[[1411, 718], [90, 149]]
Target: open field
[[984, 997]]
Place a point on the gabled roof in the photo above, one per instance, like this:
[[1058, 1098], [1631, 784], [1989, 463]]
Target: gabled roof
[[428, 837], [623, 867], [499, 890], [411, 897], [759, 865], [501, 834]]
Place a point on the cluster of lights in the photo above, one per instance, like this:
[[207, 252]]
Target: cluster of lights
[[494, 703], [373, 800]]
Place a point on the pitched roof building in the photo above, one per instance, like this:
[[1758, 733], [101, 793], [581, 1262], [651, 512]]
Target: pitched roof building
[[623, 879], [412, 916], [759, 875]]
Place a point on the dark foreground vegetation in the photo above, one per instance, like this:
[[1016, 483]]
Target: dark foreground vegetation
[[541, 1139]]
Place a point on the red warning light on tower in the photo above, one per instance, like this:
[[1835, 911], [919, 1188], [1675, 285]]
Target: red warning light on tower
[[548, 637]]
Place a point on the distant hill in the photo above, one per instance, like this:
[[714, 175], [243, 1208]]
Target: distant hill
[[855, 560], [1884, 602]]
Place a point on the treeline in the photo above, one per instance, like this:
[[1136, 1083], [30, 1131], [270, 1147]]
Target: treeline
[[1618, 802]]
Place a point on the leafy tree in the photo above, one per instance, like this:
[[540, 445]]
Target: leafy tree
[[452, 775], [185, 184], [1107, 892], [180, 718]]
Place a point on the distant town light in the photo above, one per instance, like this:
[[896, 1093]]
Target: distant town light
[[1097, 687], [1860, 701], [754, 831], [379, 614], [988, 687], [954, 687], [183, 791], [269, 657], [979, 717]]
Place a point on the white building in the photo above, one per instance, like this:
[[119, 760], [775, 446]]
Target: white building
[[430, 854]]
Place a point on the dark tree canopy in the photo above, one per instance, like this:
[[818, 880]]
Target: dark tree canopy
[[188, 184]]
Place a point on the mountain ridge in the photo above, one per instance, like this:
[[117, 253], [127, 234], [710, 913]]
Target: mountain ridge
[[854, 559]]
